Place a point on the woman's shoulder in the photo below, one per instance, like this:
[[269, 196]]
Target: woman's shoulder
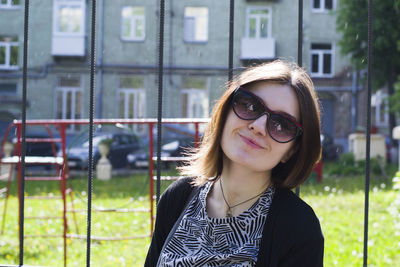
[[295, 214], [293, 203], [181, 188]]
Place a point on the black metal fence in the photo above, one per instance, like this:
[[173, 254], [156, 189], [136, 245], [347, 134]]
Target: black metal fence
[[160, 95]]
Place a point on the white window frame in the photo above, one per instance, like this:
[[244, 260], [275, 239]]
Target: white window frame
[[133, 21], [194, 95], [8, 45], [71, 3], [9, 5], [258, 19], [194, 26], [64, 90], [322, 8], [320, 53], [139, 96], [379, 103]]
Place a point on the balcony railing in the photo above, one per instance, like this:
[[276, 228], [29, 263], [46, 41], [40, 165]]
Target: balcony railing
[[257, 48]]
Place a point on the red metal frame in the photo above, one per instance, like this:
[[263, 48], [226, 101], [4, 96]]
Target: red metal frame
[[62, 125], [318, 168]]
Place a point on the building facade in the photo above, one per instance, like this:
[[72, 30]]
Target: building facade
[[195, 57]]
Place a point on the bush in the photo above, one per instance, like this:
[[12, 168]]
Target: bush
[[106, 141], [347, 165]]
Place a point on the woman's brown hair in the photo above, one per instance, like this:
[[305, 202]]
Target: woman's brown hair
[[206, 161]]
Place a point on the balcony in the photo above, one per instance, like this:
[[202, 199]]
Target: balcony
[[252, 48], [69, 17], [68, 45]]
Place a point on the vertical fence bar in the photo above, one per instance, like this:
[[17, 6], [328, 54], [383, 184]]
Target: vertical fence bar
[[300, 35], [368, 140], [231, 34], [22, 169], [300, 48], [160, 91], [196, 137], [151, 164], [91, 115], [63, 189]]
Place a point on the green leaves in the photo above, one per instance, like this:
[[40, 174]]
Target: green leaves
[[352, 23]]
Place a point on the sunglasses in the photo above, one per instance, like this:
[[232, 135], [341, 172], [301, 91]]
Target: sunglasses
[[281, 127]]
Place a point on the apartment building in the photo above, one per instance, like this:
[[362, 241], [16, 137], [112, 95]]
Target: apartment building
[[195, 57]]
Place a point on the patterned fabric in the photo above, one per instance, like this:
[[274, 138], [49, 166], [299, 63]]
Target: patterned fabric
[[203, 241]]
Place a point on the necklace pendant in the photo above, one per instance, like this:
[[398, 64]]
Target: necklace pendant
[[229, 213]]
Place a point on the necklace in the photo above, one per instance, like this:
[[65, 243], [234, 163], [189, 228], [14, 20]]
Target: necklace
[[229, 211]]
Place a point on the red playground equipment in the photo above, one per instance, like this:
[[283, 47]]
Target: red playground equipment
[[61, 165]]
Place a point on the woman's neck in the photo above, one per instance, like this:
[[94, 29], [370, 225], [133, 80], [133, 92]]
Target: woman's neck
[[240, 182]]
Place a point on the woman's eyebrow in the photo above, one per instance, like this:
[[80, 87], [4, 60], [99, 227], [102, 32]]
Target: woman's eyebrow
[[283, 113]]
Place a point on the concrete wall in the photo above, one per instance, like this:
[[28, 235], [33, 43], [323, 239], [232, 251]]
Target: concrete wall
[[125, 57]]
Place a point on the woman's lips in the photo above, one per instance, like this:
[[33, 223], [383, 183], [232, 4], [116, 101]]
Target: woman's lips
[[251, 142]]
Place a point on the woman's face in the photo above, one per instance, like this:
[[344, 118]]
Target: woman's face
[[247, 142]]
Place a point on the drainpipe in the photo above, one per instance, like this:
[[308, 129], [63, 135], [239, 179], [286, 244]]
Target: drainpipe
[[99, 108], [171, 37], [354, 101]]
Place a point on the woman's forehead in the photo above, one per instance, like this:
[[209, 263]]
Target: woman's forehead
[[277, 97]]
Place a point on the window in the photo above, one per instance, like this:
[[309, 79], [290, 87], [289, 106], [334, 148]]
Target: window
[[133, 23], [132, 105], [258, 23], [380, 109], [194, 103], [195, 28], [9, 3], [321, 60], [131, 101], [69, 100], [322, 5], [69, 17], [8, 52]]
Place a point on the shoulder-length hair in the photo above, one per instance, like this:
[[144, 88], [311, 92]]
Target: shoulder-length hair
[[206, 161]]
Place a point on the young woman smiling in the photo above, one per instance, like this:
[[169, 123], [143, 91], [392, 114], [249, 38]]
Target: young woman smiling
[[237, 207]]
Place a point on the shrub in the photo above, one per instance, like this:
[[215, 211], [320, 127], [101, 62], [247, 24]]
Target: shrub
[[347, 165], [106, 141]]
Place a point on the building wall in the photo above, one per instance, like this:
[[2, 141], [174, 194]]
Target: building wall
[[206, 61]]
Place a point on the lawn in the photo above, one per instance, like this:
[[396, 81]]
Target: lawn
[[338, 202]]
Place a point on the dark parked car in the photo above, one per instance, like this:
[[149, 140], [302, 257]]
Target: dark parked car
[[38, 144], [39, 149], [122, 144], [176, 139]]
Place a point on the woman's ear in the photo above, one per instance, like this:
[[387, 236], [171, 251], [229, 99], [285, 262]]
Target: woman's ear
[[290, 153]]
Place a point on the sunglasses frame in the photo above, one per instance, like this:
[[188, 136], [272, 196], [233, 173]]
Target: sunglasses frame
[[267, 111]]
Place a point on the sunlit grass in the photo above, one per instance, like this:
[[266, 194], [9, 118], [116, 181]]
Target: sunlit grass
[[338, 202]]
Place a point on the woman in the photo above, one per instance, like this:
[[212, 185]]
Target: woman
[[238, 209]]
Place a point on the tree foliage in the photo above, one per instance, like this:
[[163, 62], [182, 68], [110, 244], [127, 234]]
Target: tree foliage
[[352, 22]]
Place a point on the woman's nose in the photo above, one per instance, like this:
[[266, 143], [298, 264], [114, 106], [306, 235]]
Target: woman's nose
[[259, 125]]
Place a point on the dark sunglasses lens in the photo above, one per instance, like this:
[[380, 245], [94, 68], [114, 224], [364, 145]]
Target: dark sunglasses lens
[[246, 106], [281, 128]]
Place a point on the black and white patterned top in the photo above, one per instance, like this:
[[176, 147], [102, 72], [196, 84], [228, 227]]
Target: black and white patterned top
[[203, 241]]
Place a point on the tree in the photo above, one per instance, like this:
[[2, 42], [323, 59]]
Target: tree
[[352, 23]]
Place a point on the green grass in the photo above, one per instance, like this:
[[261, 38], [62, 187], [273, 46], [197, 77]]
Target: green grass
[[338, 202]]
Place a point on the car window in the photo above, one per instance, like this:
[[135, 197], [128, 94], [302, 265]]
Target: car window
[[96, 141], [124, 140], [117, 140], [132, 139]]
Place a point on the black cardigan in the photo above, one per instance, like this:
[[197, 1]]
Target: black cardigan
[[292, 234]]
